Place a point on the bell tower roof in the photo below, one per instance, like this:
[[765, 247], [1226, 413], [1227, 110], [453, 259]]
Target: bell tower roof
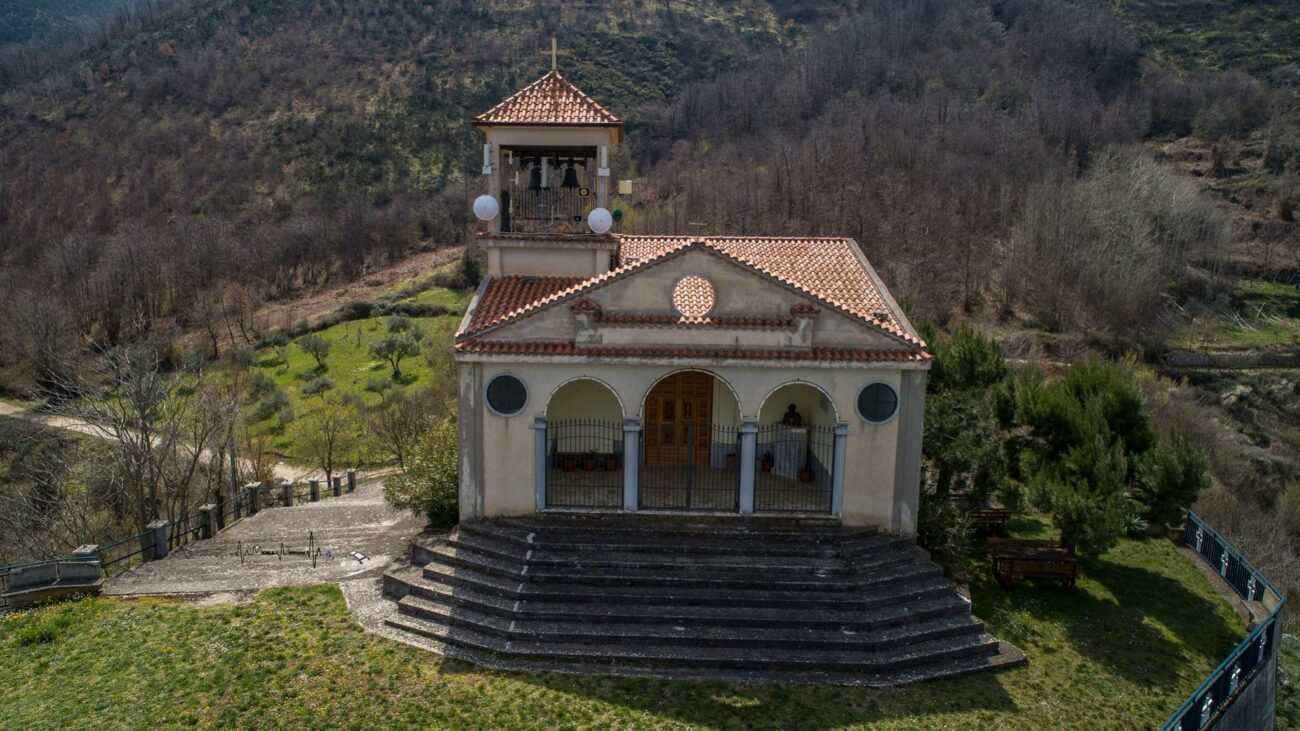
[[552, 100]]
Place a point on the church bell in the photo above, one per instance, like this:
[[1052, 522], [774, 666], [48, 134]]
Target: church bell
[[535, 177], [570, 177]]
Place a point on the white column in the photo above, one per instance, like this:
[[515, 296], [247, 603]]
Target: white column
[[748, 455], [539, 460], [837, 471], [631, 463]]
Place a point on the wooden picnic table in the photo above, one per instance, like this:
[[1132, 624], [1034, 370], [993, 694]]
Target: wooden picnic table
[[1030, 559], [989, 515]]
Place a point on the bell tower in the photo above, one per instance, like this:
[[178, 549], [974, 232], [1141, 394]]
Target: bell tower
[[546, 164]]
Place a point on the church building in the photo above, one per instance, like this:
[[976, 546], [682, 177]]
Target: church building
[[609, 372]]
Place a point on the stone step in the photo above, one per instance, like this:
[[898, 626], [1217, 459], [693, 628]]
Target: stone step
[[688, 527], [1006, 656], [519, 586], [940, 650], [914, 602], [689, 634]]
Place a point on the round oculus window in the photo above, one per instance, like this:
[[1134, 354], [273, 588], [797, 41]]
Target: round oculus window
[[693, 296], [506, 395], [877, 403]]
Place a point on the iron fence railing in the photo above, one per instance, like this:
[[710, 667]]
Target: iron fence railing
[[795, 470], [1255, 656], [690, 466], [584, 463], [118, 556]]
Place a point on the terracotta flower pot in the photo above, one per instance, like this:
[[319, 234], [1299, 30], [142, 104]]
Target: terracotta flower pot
[[731, 461], [568, 465], [766, 465], [611, 463], [805, 475], [588, 464]]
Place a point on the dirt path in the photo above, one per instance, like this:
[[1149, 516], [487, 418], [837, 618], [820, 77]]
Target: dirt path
[[292, 473]]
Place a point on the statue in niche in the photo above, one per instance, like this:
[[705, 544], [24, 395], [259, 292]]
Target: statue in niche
[[792, 417]]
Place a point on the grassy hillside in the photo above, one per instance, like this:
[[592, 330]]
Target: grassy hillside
[[1258, 37], [1142, 630]]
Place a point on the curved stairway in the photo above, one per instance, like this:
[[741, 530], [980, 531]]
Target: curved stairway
[[720, 599]]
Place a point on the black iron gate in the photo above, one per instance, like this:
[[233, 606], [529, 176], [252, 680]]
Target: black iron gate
[[704, 477], [584, 464], [795, 470]]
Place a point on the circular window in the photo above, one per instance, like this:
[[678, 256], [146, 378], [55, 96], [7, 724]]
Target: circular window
[[693, 296], [506, 395], [877, 403]]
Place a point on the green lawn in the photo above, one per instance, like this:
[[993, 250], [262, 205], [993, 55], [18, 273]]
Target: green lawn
[[1268, 319], [350, 366], [1142, 630]]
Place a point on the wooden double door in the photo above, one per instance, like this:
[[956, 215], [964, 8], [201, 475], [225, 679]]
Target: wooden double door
[[679, 416]]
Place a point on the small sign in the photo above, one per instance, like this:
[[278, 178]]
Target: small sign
[[584, 192]]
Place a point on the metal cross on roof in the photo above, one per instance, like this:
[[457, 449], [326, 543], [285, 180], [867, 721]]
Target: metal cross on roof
[[555, 53]]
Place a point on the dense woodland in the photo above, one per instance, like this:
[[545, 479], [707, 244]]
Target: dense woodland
[[167, 171]]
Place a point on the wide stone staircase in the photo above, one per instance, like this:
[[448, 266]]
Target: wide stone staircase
[[729, 599]]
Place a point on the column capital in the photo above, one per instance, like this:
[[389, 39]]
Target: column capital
[[631, 425], [842, 429], [539, 422], [749, 426]]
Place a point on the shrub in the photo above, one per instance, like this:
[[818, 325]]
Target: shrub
[[273, 339], [262, 385], [430, 486], [356, 310], [286, 416], [315, 346], [399, 324], [1170, 477], [1084, 492], [318, 385], [969, 360], [272, 403]]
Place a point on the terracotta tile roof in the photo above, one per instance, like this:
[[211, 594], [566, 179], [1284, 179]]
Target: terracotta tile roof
[[506, 295], [551, 99], [718, 321], [498, 347], [826, 269]]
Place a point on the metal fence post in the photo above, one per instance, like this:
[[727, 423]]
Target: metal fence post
[[337, 483], [286, 493], [352, 480], [313, 490]]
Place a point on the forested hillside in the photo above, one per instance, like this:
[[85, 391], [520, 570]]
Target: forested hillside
[[264, 147], [27, 20]]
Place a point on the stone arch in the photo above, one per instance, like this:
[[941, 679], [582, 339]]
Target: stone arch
[[585, 397], [770, 411], [717, 378]]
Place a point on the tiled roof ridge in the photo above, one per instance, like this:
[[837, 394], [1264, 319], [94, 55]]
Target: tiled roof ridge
[[598, 114], [816, 353], [677, 245]]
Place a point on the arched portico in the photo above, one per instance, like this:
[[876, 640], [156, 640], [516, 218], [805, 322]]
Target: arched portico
[[584, 446], [690, 439], [796, 441]]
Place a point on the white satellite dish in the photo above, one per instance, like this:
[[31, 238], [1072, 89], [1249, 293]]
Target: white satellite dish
[[486, 207], [600, 220]]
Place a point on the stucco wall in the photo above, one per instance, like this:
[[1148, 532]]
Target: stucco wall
[[505, 472]]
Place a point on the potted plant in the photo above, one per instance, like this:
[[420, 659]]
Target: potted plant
[[731, 461], [589, 461], [568, 463], [767, 462], [611, 462], [806, 474]]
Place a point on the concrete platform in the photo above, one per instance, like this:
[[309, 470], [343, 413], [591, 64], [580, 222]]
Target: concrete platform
[[310, 543]]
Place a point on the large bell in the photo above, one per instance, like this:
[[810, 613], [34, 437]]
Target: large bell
[[570, 177], [535, 177]]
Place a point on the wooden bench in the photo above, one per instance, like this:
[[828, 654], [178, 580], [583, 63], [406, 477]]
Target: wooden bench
[[1026, 559], [989, 517]]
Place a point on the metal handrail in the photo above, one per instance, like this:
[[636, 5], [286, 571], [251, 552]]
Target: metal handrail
[[1241, 667]]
